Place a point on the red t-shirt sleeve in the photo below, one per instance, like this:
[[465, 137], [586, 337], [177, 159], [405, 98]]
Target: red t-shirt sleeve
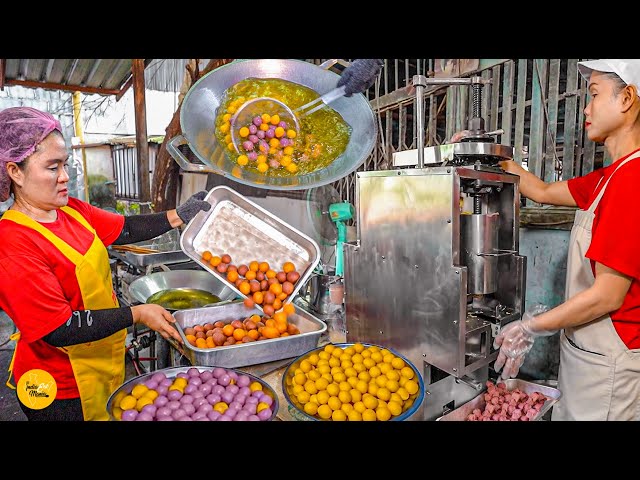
[[582, 188], [37, 304], [107, 225], [616, 236]]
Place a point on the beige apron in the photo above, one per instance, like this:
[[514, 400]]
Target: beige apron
[[599, 377]]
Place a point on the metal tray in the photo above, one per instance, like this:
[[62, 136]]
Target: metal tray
[[172, 372], [248, 353], [461, 413], [143, 260], [166, 245], [236, 226]]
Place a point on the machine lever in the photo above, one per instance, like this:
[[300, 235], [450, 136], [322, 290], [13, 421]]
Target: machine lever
[[470, 382]]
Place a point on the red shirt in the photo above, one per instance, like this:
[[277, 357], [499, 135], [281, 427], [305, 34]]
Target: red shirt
[[39, 289], [615, 240]]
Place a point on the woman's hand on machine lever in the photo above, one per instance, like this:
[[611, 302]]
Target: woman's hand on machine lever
[[508, 166], [511, 166], [456, 137], [157, 318]]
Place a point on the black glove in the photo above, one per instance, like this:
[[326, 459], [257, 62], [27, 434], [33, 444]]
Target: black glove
[[192, 206], [360, 75]]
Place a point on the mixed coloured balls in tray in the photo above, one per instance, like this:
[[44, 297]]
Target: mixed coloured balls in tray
[[253, 328], [354, 382], [194, 393], [261, 283]]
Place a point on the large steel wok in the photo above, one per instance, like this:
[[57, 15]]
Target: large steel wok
[[144, 287], [198, 113]]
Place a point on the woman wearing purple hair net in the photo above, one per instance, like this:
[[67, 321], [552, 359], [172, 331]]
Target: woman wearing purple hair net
[[55, 278]]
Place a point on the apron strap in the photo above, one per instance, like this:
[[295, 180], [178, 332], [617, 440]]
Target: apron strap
[[15, 337], [595, 203], [71, 253], [75, 214]]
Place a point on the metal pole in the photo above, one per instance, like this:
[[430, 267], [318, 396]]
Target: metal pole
[[79, 130], [419, 82]]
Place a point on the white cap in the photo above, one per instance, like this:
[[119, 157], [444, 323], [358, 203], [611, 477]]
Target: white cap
[[628, 69]]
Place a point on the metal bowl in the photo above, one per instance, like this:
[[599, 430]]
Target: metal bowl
[[172, 372], [198, 114], [144, 287], [296, 408]]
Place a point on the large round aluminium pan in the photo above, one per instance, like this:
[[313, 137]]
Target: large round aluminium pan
[[144, 287], [198, 114]]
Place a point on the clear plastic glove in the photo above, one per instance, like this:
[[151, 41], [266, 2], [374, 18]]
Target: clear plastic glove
[[360, 75], [516, 339], [192, 206]]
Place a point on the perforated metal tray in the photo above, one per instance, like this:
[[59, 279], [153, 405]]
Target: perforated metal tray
[[244, 230]]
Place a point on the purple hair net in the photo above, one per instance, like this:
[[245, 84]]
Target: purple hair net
[[21, 130]]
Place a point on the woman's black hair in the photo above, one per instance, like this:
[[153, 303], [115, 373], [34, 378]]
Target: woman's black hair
[[619, 84]]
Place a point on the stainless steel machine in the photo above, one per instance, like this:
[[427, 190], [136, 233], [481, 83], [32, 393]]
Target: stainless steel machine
[[435, 271]]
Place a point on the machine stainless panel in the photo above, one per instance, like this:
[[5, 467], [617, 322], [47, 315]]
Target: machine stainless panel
[[407, 277], [402, 281]]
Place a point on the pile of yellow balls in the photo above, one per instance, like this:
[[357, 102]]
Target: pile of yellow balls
[[354, 383]]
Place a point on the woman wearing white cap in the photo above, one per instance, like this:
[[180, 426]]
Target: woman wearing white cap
[[599, 374]]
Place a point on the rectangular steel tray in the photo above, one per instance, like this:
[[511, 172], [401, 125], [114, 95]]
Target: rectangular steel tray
[[167, 252], [253, 353], [461, 413], [237, 226], [142, 260]]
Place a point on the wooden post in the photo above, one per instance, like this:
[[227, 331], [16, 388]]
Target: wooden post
[[142, 146], [3, 62]]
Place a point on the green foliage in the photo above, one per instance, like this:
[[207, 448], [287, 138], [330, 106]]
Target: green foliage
[[101, 192]]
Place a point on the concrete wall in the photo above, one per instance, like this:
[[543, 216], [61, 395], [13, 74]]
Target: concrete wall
[[99, 161], [546, 252]]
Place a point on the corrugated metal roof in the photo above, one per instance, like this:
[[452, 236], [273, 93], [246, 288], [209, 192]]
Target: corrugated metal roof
[[167, 74], [92, 75]]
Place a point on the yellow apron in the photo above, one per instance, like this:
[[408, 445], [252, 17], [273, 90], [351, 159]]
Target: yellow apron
[[98, 366]]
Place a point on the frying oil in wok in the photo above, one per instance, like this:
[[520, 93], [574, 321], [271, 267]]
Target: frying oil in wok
[[182, 298], [323, 135]]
